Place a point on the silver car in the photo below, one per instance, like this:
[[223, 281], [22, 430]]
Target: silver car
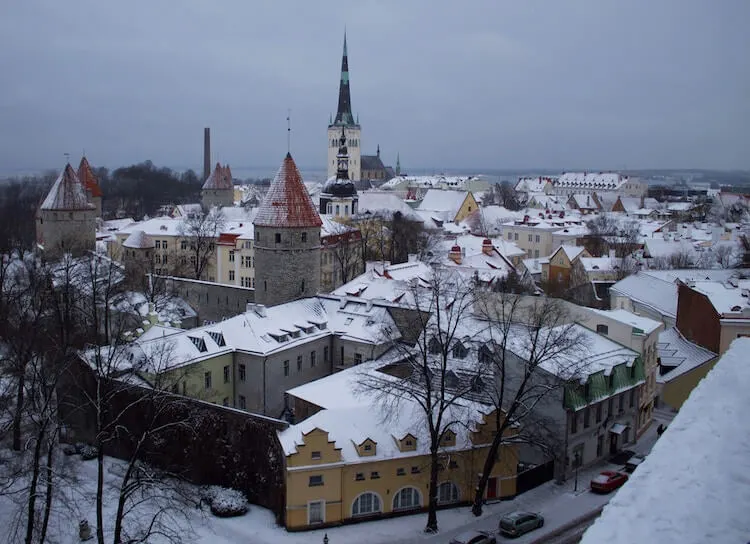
[[519, 523]]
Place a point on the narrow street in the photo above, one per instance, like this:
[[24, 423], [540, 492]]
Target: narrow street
[[560, 504]]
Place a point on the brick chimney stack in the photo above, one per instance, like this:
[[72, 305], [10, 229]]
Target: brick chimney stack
[[206, 153], [455, 254], [487, 247]]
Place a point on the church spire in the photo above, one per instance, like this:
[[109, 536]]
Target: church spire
[[344, 114]]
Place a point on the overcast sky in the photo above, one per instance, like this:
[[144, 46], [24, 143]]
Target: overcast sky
[[478, 84]]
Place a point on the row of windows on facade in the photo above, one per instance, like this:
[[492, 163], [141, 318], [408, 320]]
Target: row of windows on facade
[[277, 237], [246, 261], [598, 409], [532, 237], [370, 503], [459, 351], [313, 361], [352, 142], [330, 209]]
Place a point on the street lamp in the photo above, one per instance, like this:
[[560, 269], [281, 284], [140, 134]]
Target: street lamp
[[577, 461]]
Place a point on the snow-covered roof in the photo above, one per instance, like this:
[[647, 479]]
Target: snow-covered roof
[[548, 202], [267, 330], [441, 201], [457, 182], [660, 248], [385, 203], [680, 206], [534, 266], [67, 193], [584, 202], [139, 240], [220, 178], [287, 203], [679, 354], [571, 252], [703, 453], [725, 297], [595, 353], [649, 290], [600, 264], [603, 181], [533, 184], [350, 415], [629, 318]]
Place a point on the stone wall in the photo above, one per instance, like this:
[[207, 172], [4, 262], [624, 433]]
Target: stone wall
[[288, 269], [66, 231], [212, 301]]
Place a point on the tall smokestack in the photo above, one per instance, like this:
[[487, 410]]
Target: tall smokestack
[[206, 153]]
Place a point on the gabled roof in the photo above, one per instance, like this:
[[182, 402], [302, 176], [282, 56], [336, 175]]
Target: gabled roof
[[571, 252], [220, 178], [287, 203], [87, 177], [67, 193], [439, 200], [371, 162]]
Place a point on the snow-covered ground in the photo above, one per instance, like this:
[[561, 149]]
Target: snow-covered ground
[[74, 502]]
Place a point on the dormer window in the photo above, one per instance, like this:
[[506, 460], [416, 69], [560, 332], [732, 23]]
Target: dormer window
[[199, 343], [460, 351], [449, 438], [434, 346], [451, 380], [485, 355]]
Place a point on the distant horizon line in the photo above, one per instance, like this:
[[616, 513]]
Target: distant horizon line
[[418, 170]]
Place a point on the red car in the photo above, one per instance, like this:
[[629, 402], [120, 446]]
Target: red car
[[607, 481]]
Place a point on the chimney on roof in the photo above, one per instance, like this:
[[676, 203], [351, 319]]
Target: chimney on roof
[[487, 247], [206, 153], [455, 254]]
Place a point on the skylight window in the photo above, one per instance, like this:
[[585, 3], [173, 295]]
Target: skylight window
[[348, 321], [199, 343], [217, 337]]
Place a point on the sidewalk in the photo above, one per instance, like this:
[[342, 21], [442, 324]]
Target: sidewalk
[[558, 503]]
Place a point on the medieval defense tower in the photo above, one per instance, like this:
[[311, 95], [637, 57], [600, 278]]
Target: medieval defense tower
[[287, 240], [345, 119]]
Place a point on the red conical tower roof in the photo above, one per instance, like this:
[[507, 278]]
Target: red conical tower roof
[[287, 203], [88, 179]]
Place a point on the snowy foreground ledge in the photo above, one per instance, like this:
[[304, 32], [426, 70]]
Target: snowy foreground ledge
[[694, 487]]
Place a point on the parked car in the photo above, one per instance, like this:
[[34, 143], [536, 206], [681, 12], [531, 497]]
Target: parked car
[[608, 480], [633, 462], [519, 523], [621, 457], [475, 537]]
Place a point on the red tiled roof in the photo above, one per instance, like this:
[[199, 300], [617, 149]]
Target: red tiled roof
[[87, 177], [221, 178], [228, 239], [67, 193], [287, 203]]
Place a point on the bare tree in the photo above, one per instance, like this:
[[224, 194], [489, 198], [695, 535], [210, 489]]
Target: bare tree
[[347, 251], [425, 377], [201, 230], [525, 335], [726, 255]]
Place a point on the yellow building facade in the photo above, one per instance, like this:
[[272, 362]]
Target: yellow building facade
[[323, 488]]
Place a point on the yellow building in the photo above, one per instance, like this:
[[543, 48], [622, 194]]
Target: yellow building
[[682, 365], [347, 461], [558, 267]]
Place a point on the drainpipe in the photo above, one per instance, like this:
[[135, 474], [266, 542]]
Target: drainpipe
[[265, 359]]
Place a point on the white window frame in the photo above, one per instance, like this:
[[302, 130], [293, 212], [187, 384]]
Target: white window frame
[[411, 507], [372, 512], [322, 503], [458, 492]]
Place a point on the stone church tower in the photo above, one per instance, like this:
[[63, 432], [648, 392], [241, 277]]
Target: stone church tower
[[66, 221], [287, 240], [339, 196], [345, 119]]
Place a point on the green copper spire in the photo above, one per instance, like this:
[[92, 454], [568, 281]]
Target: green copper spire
[[344, 113]]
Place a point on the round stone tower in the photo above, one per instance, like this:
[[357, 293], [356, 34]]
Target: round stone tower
[[66, 222], [287, 240]]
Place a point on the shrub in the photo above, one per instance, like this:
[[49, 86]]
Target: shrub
[[224, 502], [69, 449], [89, 452]]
